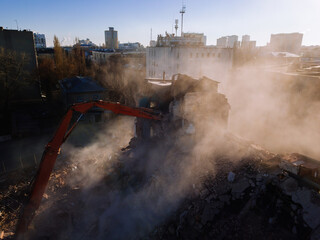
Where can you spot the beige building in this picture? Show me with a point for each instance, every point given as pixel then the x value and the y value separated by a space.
pixel 111 38
pixel 286 42
pixel 222 42
pixel 228 42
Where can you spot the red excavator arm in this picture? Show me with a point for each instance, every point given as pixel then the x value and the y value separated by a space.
pixel 52 150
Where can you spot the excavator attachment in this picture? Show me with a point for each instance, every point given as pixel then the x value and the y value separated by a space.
pixel 53 147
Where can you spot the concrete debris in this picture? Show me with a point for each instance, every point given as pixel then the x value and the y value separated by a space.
pixel 239 187
pixel 13 194
pixel 246 198
pixel 315 235
pixel 190 129
pixel 231 176
pixel 310 202
pixel 208 214
pixel 240 207
pixel 224 198
pixel 289 186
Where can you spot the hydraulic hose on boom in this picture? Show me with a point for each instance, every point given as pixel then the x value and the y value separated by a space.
pixel 53 147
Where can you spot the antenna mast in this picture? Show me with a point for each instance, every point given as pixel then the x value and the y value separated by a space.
pixel 182 11
pixel 176 26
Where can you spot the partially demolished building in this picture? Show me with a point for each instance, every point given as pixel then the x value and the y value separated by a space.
pixel 186 103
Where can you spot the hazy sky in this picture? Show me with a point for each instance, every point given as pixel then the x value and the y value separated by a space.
pixel 133 19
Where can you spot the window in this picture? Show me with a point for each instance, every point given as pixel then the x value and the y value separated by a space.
pixel 197 55
pixel 219 55
pixel 202 54
pixel 208 54
pixel 213 54
pixel 190 55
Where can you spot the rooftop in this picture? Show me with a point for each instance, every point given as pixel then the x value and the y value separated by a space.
pixel 80 85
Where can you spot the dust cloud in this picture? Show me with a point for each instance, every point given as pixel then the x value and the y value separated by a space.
pixel 129 193
pixel 274 110
pixel 115 194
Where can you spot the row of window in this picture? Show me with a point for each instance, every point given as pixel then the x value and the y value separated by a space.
pixel 40 41
pixel 153 53
pixel 99 56
pixel 203 55
pixel 153 63
pixel 151 73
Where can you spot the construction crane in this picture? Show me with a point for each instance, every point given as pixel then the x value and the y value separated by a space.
pixel 53 148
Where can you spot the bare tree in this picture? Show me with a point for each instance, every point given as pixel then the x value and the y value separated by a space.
pixel 60 59
pixel 48 76
pixel 120 79
pixel 78 62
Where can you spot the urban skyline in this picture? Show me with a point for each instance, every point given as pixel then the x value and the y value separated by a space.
pixel 134 19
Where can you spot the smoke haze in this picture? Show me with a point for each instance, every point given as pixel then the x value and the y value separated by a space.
pixel 121 195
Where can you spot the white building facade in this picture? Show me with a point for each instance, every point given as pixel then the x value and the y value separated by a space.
pixel 245 38
pixel 247 44
pixel 222 42
pixel 130 46
pixel 195 60
pixel 101 55
pixel 232 41
pixel 228 42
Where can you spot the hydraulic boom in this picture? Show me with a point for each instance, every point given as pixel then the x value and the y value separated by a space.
pixel 53 147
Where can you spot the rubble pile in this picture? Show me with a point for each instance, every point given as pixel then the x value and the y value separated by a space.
pixel 249 198
pixel 184 177
pixel 14 190
pixel 165 189
pixel 253 201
